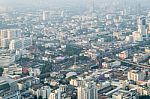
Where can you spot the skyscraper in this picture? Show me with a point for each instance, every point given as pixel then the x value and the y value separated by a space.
pixel 6 35
pixel 142 27
pixel 55 95
pixel 87 91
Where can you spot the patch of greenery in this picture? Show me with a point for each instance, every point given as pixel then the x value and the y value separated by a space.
pixel 144 97
pixel 72 50
pixel 1 71
pixel 47 67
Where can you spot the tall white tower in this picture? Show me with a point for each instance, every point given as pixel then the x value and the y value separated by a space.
pixel 43 16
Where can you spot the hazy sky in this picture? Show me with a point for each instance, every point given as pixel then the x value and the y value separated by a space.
pixel 38 2
pixel 19 3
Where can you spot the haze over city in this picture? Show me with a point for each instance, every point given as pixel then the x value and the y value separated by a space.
pixel 74 49
pixel 60 3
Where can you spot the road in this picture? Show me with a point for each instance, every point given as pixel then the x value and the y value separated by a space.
pixel 135 64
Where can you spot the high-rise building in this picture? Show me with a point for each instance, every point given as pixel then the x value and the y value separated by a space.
pixel 15 44
pixel 87 91
pixel 55 95
pixel 148 30
pixel 20 43
pixel 45 92
pixel 135 75
pixel 142 27
pixel 4 43
pixel 6 35
pixel 3 34
pixel 45 15
pixel 137 36
pixel 10 33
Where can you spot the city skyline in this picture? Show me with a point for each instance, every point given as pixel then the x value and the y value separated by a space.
pixel 74 49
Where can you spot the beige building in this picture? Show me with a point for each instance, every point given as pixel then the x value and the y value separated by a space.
pixel 9 34
pixel 147 50
pixel 76 82
pixel 117 96
pixel 136 75
pixel 142 91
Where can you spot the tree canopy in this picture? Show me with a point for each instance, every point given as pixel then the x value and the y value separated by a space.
pixel 1 71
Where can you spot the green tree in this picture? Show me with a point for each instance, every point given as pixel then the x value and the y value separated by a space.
pixel 72 50
pixel 40 97
pixel 144 97
pixel 35 96
pixel 1 71
pixel 47 67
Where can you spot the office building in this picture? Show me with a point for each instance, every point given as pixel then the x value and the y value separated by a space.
pixel 45 15
pixel 8 89
pixel 4 43
pixel 55 95
pixel 135 75
pixel 142 27
pixel 20 43
pixel 87 91
pixel 137 36
pixel 6 35
pixel 45 91
pixel 10 33
pixel 15 44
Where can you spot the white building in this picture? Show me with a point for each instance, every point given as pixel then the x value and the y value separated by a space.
pixel 137 36
pixel 87 91
pixel 45 91
pixel 142 26
pixel 55 95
